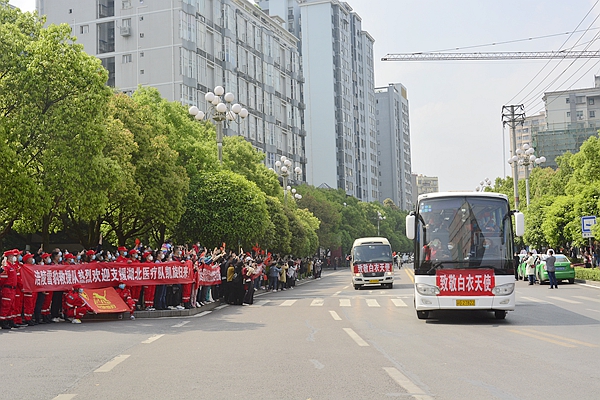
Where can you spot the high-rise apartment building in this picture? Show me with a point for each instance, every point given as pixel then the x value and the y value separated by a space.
pixel 424 184
pixel 393 136
pixel 572 116
pixel 337 63
pixel 185 48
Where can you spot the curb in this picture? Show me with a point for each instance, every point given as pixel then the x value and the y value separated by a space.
pixel 591 283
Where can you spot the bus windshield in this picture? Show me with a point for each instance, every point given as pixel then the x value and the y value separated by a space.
pixel 369 253
pixel 462 232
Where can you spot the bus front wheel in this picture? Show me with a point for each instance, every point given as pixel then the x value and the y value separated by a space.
pixel 422 314
pixel 500 314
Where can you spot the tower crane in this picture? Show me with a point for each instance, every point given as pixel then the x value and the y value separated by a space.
pixel 510 55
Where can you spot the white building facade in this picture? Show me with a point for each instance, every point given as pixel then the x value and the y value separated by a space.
pixel 393 135
pixel 337 64
pixel 185 48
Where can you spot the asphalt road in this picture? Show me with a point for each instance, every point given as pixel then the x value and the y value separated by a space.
pixel 321 340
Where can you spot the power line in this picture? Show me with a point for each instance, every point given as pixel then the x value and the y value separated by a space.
pixel 510 41
pixel 548 62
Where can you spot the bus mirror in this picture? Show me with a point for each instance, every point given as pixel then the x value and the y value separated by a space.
pixel 519 224
pixel 410 227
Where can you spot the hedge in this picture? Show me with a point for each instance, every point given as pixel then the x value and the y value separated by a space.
pixel 588 274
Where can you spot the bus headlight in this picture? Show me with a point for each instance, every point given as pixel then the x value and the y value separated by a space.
pixel 389 273
pixel 427 290
pixel 504 290
pixel 357 274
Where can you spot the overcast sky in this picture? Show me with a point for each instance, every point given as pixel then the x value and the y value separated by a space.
pixel 456 106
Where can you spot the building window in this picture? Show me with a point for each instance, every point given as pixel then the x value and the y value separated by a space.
pixel 83 29
pixel 109 64
pixel 591 101
pixel 568 114
pixel 106 8
pixel 141 54
pixel 580 114
pixel 126 58
pixel 106 37
pixel 141 72
pixel 141 35
pixel 580 100
pixel 567 100
pixel 592 114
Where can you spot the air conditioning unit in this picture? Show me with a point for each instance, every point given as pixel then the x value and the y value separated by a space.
pixel 125 30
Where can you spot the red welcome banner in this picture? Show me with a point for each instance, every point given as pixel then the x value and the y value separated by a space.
pixel 42 278
pixel 105 300
pixel 209 275
pixel 465 282
pixel 372 267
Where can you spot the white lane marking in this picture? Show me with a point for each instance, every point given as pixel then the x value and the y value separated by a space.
pixel 412 389
pixel 587 298
pixel 221 306
pixel 179 325
pixel 399 303
pixel 346 287
pixel 260 303
pixel 112 363
pixel 563 299
pixel 359 341
pixel 202 314
pixel 316 303
pixel 535 300
pixel 372 303
pixel 64 397
pixel 317 364
pixel 335 315
pixel 591 309
pixel 287 303
pixel 337 293
pixel 153 338
pixel 345 303
pixel 588 285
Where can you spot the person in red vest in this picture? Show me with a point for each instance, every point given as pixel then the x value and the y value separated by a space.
pixel 149 290
pixel 122 254
pixel 74 305
pixel 126 296
pixel 29 298
pixel 8 287
pixel 136 290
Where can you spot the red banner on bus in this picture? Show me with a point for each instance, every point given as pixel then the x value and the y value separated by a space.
pixel 465 282
pixel 42 278
pixel 372 267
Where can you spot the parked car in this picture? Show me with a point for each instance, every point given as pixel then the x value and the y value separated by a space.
pixel 564 269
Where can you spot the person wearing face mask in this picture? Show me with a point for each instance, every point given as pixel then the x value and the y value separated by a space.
pixel 57 297
pixel 44 299
pixel 74 305
pixel 89 256
pixel 149 290
pixel 160 294
pixel 8 287
pixel 125 294
pixel 29 298
pixel 122 254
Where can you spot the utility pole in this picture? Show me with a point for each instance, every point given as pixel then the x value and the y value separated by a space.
pixel 511 116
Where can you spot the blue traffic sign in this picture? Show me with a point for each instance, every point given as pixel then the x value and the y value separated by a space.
pixel 586 225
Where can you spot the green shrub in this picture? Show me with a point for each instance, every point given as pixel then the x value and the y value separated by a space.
pixel 588 274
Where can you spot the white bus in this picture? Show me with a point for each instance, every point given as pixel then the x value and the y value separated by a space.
pixel 463 246
pixel 372 262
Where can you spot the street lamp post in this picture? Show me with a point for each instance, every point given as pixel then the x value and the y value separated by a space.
pixel 283 168
pixel 220 112
pixel 525 156
pixel 486 183
pixel 379 218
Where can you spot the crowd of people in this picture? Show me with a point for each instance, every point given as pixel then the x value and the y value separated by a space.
pixel 240 274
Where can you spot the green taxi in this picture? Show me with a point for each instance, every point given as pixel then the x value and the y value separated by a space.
pixel 564 269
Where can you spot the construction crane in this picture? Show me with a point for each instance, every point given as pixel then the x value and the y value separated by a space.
pixel 511 55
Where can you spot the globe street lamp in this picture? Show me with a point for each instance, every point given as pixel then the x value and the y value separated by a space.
pixel 379 218
pixel 525 156
pixel 486 183
pixel 220 112
pixel 283 168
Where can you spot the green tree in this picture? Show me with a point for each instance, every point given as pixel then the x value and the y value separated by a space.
pixel 277 237
pixel 224 207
